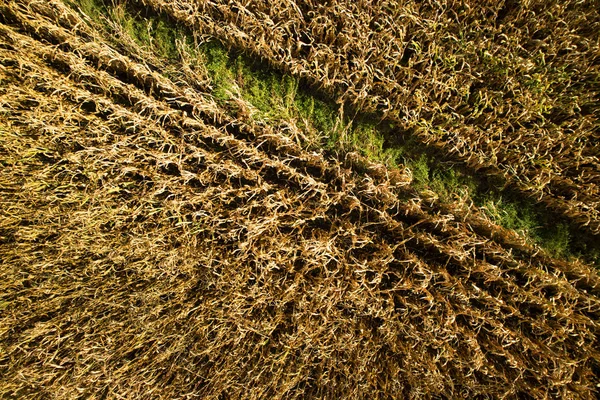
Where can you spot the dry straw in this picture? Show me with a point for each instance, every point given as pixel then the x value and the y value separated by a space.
pixel 155 244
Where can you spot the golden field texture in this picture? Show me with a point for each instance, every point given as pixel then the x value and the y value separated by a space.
pixel 156 244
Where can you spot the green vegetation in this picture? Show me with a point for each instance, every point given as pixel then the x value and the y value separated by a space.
pixel 95 9
pixel 154 32
pixel 277 98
